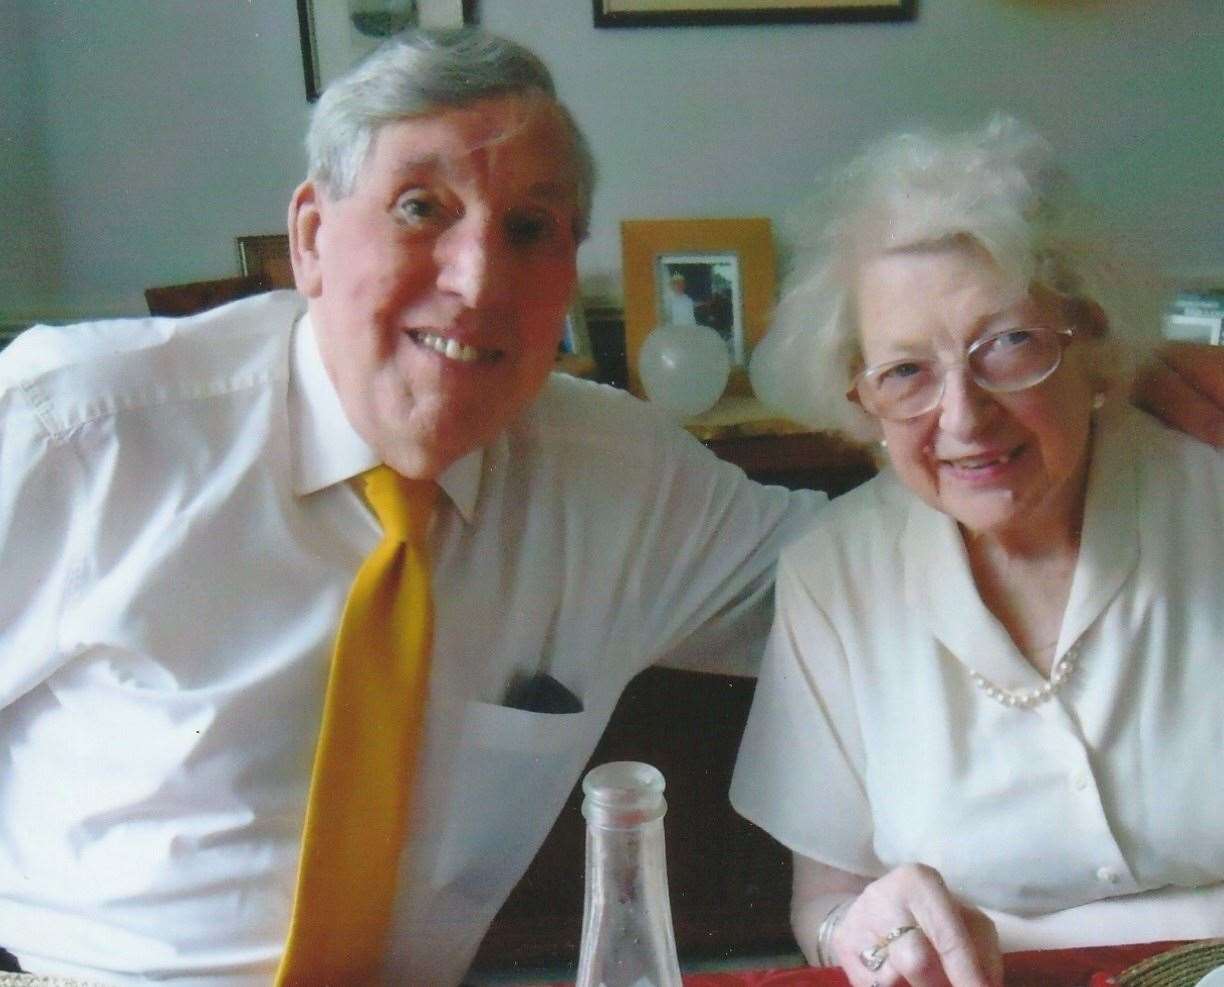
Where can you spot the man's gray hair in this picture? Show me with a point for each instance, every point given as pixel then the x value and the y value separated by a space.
pixel 420 73
pixel 998 188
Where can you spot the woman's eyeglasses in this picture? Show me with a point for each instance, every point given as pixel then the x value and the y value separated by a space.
pixel 1006 361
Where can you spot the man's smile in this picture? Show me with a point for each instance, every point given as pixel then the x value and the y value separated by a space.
pixel 451 348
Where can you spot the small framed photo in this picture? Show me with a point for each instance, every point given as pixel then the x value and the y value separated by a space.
pixel 704 289
pixel 666 13
pixel 266 255
pixel 576 340
pixel 715 273
pixel 336 34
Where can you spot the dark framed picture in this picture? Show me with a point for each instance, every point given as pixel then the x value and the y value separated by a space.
pixel 336 34
pixel 576 340
pixel 661 13
pixel 266 256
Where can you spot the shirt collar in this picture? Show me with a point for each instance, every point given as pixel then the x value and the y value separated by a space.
pixel 327 450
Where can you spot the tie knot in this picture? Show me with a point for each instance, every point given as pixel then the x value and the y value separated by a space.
pixel 403 506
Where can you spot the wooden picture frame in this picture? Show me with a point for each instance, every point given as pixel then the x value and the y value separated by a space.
pixel 739 251
pixel 336 34
pixel 266 256
pixel 682 13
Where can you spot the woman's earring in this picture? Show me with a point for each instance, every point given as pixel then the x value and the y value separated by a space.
pixel 1098 401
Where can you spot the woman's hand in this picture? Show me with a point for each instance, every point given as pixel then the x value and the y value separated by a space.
pixel 924 935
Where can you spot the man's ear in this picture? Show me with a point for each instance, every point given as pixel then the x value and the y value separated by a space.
pixel 305 218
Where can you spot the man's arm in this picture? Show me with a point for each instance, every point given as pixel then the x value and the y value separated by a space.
pixel 712 558
pixel 1184 387
pixel 39 507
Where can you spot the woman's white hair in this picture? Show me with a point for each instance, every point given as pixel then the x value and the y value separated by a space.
pixel 998 188
pixel 420 73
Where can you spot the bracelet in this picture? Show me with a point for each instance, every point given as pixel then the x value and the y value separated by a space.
pixel 824 935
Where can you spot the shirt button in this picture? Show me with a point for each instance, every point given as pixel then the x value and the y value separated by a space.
pixel 1107 875
pixel 1079 780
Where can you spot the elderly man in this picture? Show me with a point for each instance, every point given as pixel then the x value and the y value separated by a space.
pixel 269 710
pixel 185 504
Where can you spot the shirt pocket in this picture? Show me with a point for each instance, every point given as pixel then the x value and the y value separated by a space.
pixel 512 773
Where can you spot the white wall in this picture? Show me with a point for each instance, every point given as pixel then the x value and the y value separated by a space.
pixel 152 132
pixel 29 249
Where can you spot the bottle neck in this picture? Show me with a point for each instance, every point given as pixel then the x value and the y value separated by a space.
pixel 628 863
pixel 627 938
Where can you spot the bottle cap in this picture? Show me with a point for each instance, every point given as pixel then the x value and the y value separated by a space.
pixel 623 793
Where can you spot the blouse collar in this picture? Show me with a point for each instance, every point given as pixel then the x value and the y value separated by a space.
pixel 939 583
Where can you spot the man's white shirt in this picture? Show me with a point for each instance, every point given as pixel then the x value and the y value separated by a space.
pixel 178 532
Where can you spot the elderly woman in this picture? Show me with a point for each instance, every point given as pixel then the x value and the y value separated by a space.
pixel 1001 725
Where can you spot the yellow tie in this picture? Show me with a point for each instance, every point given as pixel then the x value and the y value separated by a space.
pixel 367 750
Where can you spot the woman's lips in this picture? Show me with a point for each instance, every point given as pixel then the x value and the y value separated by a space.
pixel 982 467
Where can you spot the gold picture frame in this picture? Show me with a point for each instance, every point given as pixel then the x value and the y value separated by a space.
pixel 730 261
pixel 684 13
pixel 266 256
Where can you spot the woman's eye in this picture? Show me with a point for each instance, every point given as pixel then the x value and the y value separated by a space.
pixel 901 371
pixel 1012 338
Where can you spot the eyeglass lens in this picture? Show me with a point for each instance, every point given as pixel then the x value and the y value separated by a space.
pixel 1004 361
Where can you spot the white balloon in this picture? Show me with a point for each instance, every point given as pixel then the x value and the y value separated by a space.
pixel 684 369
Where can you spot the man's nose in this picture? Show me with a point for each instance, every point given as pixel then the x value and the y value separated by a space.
pixel 966 407
pixel 471 261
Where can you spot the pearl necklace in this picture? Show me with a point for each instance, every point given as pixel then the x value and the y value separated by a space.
pixel 1028 698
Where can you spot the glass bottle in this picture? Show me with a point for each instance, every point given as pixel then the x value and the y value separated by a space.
pixel 627 937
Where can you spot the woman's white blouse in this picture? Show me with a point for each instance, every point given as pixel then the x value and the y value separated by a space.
pixel 869 746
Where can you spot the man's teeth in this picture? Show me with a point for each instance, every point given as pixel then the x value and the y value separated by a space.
pixel 452 349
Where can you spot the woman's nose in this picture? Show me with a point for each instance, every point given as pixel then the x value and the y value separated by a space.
pixel 966 407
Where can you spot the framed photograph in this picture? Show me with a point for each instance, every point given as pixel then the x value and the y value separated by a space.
pixel 658 13
pixel 336 34
pixel 266 256
pixel 715 273
pixel 577 338
pixel 704 289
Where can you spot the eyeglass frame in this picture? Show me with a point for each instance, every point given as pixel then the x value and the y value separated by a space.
pixel 1065 337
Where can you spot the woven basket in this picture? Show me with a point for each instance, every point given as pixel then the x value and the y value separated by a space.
pixel 1181 967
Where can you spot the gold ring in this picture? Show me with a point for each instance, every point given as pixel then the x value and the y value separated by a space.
pixel 897 933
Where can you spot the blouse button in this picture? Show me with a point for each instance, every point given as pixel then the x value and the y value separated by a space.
pixel 1107 875
pixel 1079 780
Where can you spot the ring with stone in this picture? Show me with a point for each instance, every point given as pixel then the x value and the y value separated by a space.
pixel 874 957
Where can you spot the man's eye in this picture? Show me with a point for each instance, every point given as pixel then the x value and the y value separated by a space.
pixel 417 208
pixel 529 228
pixel 901 371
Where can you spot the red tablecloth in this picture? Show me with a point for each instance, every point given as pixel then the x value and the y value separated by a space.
pixel 1092 966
